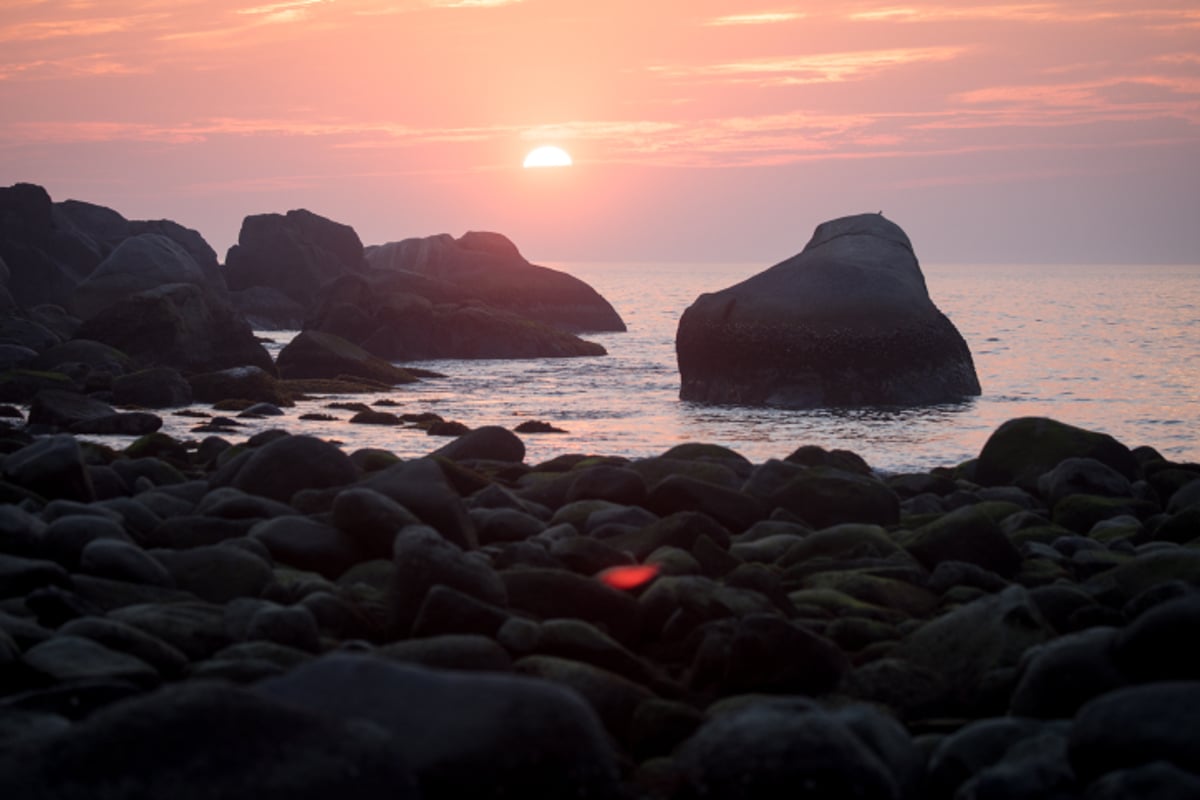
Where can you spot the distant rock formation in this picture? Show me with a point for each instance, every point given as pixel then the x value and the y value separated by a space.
pixel 403 325
pixel 848 321
pixel 488 268
pixel 50 247
pixel 294 254
pixel 75 274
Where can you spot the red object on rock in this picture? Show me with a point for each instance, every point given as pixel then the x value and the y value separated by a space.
pixel 628 577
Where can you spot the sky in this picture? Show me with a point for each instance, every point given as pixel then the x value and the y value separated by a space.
pixel 701 130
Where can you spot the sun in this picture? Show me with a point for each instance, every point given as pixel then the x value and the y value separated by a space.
pixel 547 156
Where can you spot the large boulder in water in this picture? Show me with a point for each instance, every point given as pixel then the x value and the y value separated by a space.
pixel 848 321
pixel 488 268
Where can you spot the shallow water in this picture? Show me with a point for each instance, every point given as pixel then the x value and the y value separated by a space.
pixel 1111 348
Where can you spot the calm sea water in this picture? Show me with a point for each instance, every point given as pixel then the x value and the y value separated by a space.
pixel 1111 348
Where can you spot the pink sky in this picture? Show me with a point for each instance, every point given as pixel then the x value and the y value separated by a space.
pixel 706 130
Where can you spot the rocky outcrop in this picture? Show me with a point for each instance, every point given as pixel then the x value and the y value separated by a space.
pixel 848 321
pixel 50 247
pixel 487 268
pixel 179 325
pixel 405 326
pixel 313 354
pixel 138 263
pixel 294 253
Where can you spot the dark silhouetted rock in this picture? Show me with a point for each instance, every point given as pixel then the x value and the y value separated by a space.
pixel 769 749
pixel 137 264
pixel 314 354
pixel 178 325
pixel 287 465
pixel 487 268
pixel 491 443
pixel 1022 449
pixel 204 740
pixel 81 414
pixel 530 737
pixel 157 387
pixel 1135 726
pixel 294 253
pixel 848 321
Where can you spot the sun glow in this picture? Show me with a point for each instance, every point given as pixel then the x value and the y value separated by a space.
pixel 548 156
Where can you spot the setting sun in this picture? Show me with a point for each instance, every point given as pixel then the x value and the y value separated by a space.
pixel 547 156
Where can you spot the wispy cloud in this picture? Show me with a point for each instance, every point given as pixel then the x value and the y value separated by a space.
pixel 38 30
pixel 816 68
pixel 1026 12
pixel 763 18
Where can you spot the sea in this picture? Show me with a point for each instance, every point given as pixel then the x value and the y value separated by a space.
pixel 1110 348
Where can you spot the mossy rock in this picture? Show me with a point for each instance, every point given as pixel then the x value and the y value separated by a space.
pixel 655 470
pixel 823 497
pixel 877 590
pixel 373 459
pixel 839 604
pixel 22 385
pixel 1080 512
pixel 707 452
pixel 243 383
pixel 158 445
pixel 847 541
pixel 1021 450
pixel 1043 534
pixel 316 354
pixel 967 534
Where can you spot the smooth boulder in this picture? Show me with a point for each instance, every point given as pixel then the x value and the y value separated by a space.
pixel 846 322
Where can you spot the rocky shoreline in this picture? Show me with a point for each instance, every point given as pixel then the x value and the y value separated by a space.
pixel 280 618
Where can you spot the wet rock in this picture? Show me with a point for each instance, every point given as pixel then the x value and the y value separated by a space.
pixel 548 594
pixel 1161 780
pixel 425 559
pixel 1021 450
pixel 371 519
pixel 614 698
pixel 1151 647
pixel 824 497
pixel 975 648
pixel 168 661
pixel 309 545
pixel 283 467
pixel 730 508
pixel 966 535
pixel 758 750
pixel 51 467
pixel 124 561
pixel 765 653
pixel 552 744
pixel 19 576
pixel 1060 676
pixel 421 487
pixel 159 387
pixel 316 354
pixel 179 325
pixel 194 741
pixel 491 443
pixel 1136 726
pixel 848 321
pixel 470 652
pixel 66 658
pixel 216 573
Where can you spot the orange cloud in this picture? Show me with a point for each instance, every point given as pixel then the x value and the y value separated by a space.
pixel 764 18
pixel 817 68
